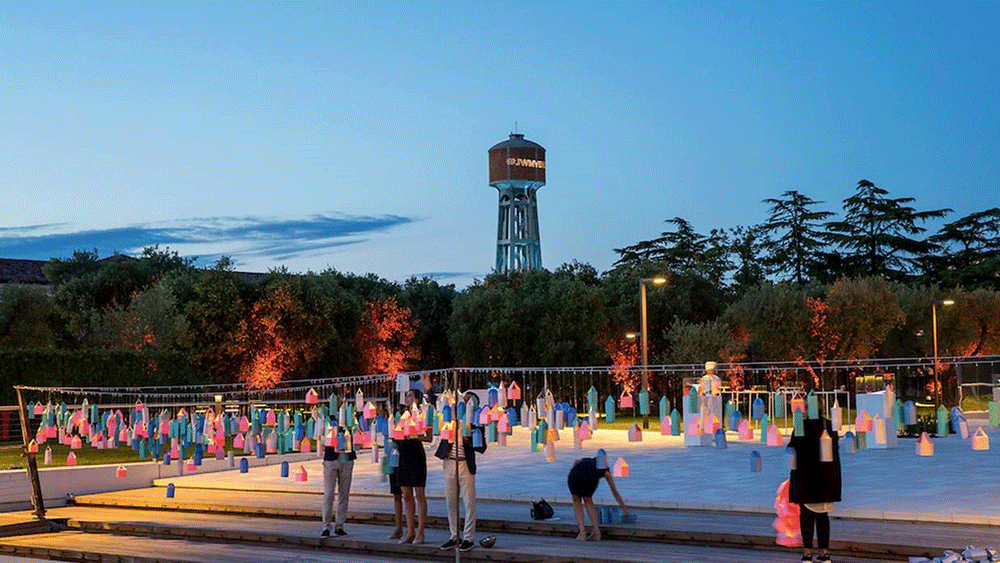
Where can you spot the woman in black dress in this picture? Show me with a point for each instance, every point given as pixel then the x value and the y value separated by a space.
pixel 412 473
pixel 583 479
pixel 815 484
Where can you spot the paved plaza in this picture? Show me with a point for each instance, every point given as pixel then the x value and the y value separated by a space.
pixel 955 485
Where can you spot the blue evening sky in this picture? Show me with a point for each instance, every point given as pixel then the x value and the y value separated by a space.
pixel 354 134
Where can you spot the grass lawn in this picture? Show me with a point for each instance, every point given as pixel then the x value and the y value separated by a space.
pixel 11 458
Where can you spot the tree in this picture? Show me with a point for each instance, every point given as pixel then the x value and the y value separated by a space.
pixel 431 306
pixel 386 337
pixel 773 319
pixel 682 250
pixel 26 314
pixel 151 321
pixel 971 256
pixel 796 235
pixel 746 247
pixel 861 314
pixel 877 232
pixel 214 311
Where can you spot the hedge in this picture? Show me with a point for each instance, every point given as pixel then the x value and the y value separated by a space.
pixel 91 368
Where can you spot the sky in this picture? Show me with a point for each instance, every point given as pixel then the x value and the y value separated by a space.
pixel 353 135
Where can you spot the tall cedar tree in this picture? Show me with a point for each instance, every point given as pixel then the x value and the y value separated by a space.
pixel 877 234
pixel 796 235
pixel 682 250
pixel 971 256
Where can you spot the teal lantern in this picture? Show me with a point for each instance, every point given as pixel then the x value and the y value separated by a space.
pixel 812 404
pixel 675 423
pixel 942 421
pixel 765 423
pixel 727 415
pixel 994 413
pixel 779 405
pixel 609 409
pixel 592 399
pixel 897 414
pixel 644 402
pixel 664 407
pixel 800 428
pixel 534 441
pixel 692 401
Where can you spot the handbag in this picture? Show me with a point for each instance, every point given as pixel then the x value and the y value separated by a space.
pixel 541 510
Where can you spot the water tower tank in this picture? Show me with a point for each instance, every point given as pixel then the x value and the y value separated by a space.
pixel 517 170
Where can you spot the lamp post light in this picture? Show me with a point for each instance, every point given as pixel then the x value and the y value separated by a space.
pixel 658 280
pixel 937 363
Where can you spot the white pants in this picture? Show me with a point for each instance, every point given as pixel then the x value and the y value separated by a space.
pixel 336 475
pixel 466 484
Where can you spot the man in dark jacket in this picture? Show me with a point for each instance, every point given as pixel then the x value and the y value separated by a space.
pixel 338 469
pixel 815 483
pixel 464 481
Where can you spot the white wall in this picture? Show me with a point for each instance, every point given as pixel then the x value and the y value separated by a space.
pixel 57 482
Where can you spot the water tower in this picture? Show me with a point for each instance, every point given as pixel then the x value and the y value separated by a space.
pixel 517 170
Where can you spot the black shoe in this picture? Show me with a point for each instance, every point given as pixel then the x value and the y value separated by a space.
pixel 450 544
pixel 466 545
pixel 325 534
pixel 340 532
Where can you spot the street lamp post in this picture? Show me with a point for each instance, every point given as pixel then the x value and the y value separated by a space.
pixel 658 280
pixel 937 362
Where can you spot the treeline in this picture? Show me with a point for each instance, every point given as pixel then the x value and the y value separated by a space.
pixel 803 285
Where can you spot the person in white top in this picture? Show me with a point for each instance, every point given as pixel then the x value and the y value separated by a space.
pixel 710 383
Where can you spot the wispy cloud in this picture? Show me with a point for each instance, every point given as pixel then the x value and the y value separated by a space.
pixel 275 239
pixel 445 275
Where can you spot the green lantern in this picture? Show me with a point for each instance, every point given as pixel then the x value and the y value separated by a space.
pixel 644 402
pixel 609 409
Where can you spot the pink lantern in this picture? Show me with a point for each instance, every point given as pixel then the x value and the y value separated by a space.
pixel 745 431
pixel 272 418
pixel 312 397
pixel 693 428
pixel 123 434
pixel 33 447
pixel 359 438
pixel 665 426
pixel 305 446
pixel 774 437
pixel 175 452
pixel 484 416
pixel 514 391
pixel 447 432
pixel 191 466
pixel 369 411
pixel 301 476
pixel 244 425
pixel 75 443
pixel 138 405
pixel 331 438
pixel 71 459
pixel 38 409
pixel 51 432
pixel 925 448
pixel 634 433
pixel 503 424
pixel 164 427
pixel 980 441
pixel 799 404
pixel 239 441
pixel 40 437
pixel 584 431
pixel 625 400
pixel 621 468
pixel 121 472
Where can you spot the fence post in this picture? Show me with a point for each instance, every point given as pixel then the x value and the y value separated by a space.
pixel 36 485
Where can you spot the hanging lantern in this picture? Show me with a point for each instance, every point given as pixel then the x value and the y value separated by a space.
pixel 757 409
pixel 312 397
pixel 825 447
pixel 664 408
pixel 812 405
pixel 836 416
pixel 644 402
pixel 799 425
pixel 779 405
pixel 514 391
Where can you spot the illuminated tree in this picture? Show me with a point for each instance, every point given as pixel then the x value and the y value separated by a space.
pixel 386 337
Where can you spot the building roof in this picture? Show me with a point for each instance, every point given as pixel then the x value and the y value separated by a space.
pixel 516 141
pixel 15 270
